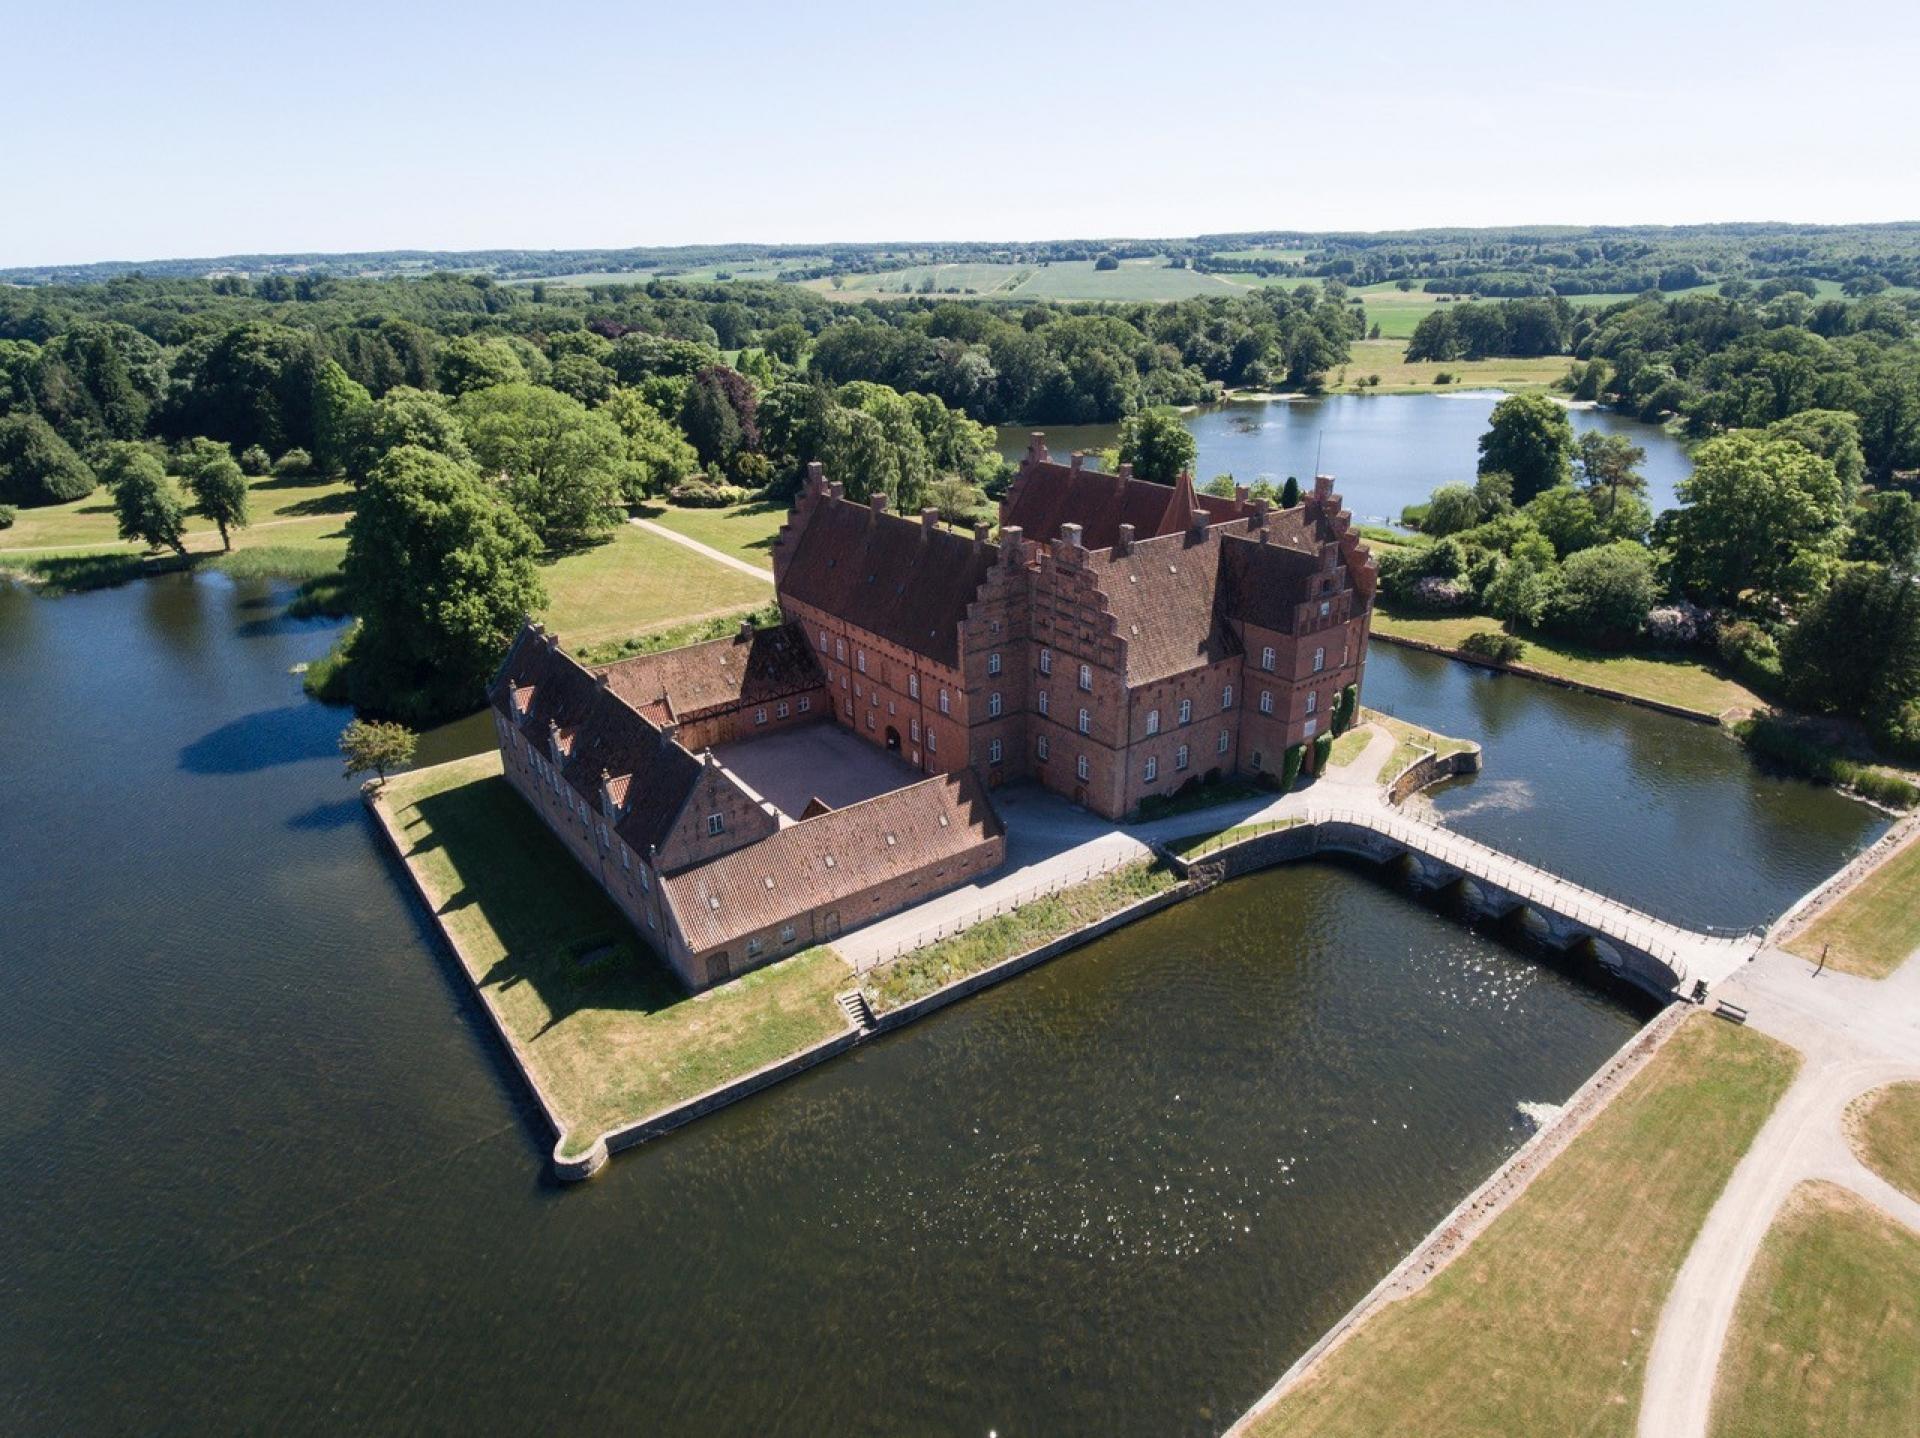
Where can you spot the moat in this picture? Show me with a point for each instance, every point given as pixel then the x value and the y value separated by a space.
pixel 266 1170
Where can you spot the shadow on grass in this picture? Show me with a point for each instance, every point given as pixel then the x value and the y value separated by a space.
pixel 562 934
pixel 58 574
pixel 338 502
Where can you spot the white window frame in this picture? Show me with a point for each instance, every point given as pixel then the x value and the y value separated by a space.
pixel 1313 702
pixel 993 705
pixel 913 686
pixel 806 703
pixel 860 660
pixel 1046 661
pixel 1186 711
pixel 1152 769
pixel 1040 746
pixel 1319 660
pixel 1182 757
pixel 1086 677
pixel 1226 697
pixel 1153 721
pixel 760 715
pixel 1225 742
pixel 1080 766
pixel 946 706
pixel 1266 701
pixel 716 824
pixel 1086 721
pixel 1043 701
pixel 993 751
pixel 993 662
pixel 1266 659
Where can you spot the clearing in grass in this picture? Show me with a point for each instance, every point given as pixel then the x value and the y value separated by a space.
pixel 606 1031
pixel 1543 1324
pixel 1875 926
pixel 1826 1340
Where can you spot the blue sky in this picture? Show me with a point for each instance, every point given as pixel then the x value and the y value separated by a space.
pixel 137 131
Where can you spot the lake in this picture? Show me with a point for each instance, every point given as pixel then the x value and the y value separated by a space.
pixel 265 1169
pixel 1387 451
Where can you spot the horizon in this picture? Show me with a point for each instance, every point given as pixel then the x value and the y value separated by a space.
pixel 383 130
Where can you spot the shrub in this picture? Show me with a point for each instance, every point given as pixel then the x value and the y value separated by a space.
pixel 1493 644
pixel 37 466
pixel 1899 729
pixel 1750 652
pixel 294 461
pixel 7 513
pixel 1444 377
pixel 1679 623
pixel 1344 707
pixel 1606 591
pixel 1787 746
pixel 1433 592
pixel 1290 766
pixel 255 460
pixel 699 492
pixel 1322 751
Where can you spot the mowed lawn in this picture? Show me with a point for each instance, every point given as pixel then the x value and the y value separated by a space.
pixel 1826 1340
pixel 633 582
pixel 1875 926
pixel 606 1029
pixel 294 512
pixel 746 531
pixel 1386 358
pixel 1663 678
pixel 1885 1128
pixel 1542 1326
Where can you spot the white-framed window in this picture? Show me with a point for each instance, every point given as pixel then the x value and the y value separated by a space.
pixel 1326 608
pixel 603 836
pixel 945 706
pixel 1046 661
pixel 870 721
pixel 1080 766
pixel 1040 746
pixel 860 660
pixel 1153 721
pixel 1313 701
pixel 1311 728
pixel 993 704
pixel 993 662
pixel 1086 676
pixel 1266 659
pixel 715 823
pixel 840 650
pixel 1043 701
pixel 805 704
pixel 780 710
pixel 1226 697
pixel 1180 757
pixel 753 947
pixel 913 730
pixel 993 751
pixel 933 741
pixel 1224 743
pixel 1151 771
pixel 913 686
pixel 1266 701
pixel 1186 711
pixel 760 716
pixel 1086 722
pixel 823 641
pixel 1319 660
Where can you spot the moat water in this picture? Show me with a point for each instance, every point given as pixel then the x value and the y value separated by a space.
pixel 1387 451
pixel 262 1168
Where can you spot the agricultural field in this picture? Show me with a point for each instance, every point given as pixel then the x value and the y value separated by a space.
pixel 1134 280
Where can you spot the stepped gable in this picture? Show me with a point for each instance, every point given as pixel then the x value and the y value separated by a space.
pixel 906 580
pixel 541 686
pixel 828 860
pixel 1163 596
pixel 754 666
pixel 1045 495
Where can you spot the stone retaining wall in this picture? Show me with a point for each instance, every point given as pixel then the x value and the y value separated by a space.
pixel 1527 671
pixel 1431 768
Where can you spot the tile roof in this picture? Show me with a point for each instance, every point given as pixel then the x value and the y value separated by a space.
pixel 751 667
pixel 1265 584
pixel 830 859
pixel 1045 495
pixel 1162 594
pixel 908 582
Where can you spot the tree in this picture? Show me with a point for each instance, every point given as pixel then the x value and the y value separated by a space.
pixel 218 486
pixel 1886 530
pixel 1451 509
pixel 1856 649
pixel 1760 516
pixel 411 417
pixel 1832 434
pixel 37 466
pixel 375 746
pixel 718 415
pixel 1157 445
pixel 1609 463
pixel 340 409
pixel 441 569
pixel 658 455
pixel 793 429
pixel 1290 493
pixel 1531 439
pixel 1221 486
pixel 145 501
pixel 1605 592
pixel 556 461
pixel 1521 591
pixel 471 362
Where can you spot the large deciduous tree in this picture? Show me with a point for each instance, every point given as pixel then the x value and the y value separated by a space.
pixel 558 462
pixel 441 569
pixel 658 455
pixel 37 466
pixel 145 502
pixel 1530 439
pixel 1761 517
pixel 218 487
pixel 1157 445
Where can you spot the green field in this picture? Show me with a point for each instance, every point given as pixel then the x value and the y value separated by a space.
pixel 1885 1128
pixel 1875 926
pixel 1826 1340
pixel 1150 279
pixel 1397 376
pixel 607 1031
pixel 634 582
pixel 1542 1326
pixel 297 511
pixel 746 531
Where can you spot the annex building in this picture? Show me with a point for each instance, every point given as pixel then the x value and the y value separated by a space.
pixel 1118 639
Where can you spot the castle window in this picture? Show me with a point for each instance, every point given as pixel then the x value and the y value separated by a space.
pixel 1046 661
pixel 603 836
pixel 626 858
pixel 913 730
pixel 945 707
pixel 913 686
pixel 1224 743
pixel 760 716
pixel 1312 727
pixel 753 947
pixel 993 663
pixel 786 933
pixel 805 704
pixel 1313 701
pixel 993 751
pixel 1040 747
pixel 1326 608
pixel 1043 701
pixel 1266 659
pixel 646 879
pixel 715 823
pixel 1186 711
pixel 1080 766
pixel 870 721
pixel 823 641
pixel 840 649
pixel 1152 769
pixel 1086 722
pixel 1226 697
pixel 780 710
pixel 1266 701
pixel 1153 721
pixel 933 742
pixel 860 660
pixel 993 704
pixel 1319 660
pixel 1180 757
pixel 1086 676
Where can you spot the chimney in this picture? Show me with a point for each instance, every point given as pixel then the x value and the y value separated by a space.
pixel 1323 486
pixel 980 532
pixel 600 680
pixel 1037 448
pixel 1079 458
pixel 1126 470
pixel 1010 546
pixel 1240 493
pixel 1261 508
pixel 835 489
pixel 816 477
pixel 746 629
pixel 1070 535
pixel 929 517
pixel 1124 541
pixel 877 503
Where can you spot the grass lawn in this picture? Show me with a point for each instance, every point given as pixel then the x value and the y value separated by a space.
pixel 1414 741
pixel 1666 678
pixel 746 531
pixel 1885 1127
pixel 1542 1326
pixel 633 582
pixel 606 1030
pixel 1826 1340
pixel 1384 358
pixel 296 511
pixel 1350 745
pixel 1874 927
pixel 918 974
pixel 1195 845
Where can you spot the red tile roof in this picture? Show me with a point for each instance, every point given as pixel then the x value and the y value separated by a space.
pixel 753 667
pixel 1045 495
pixel 1162 594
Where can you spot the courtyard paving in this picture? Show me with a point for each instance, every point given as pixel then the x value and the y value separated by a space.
pixel 794 766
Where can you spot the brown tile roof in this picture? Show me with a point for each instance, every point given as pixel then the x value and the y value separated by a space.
pixel 1045 495
pixel 752 668
pixel 831 859
pixel 1162 596
pixel 1265 584
pixel 905 581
